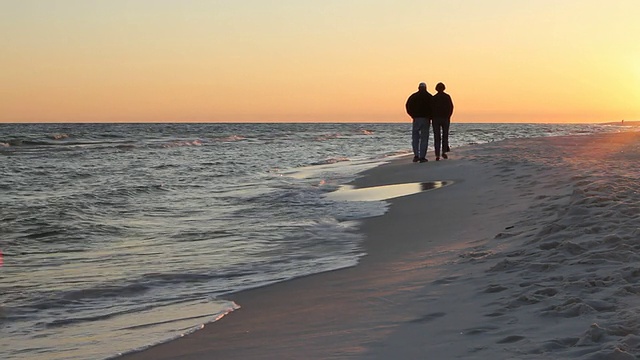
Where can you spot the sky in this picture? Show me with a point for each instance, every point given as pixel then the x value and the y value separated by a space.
pixel 317 61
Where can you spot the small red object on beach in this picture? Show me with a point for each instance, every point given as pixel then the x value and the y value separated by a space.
pixel 0 258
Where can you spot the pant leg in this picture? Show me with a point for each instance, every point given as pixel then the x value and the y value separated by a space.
pixel 437 128
pixel 424 138
pixel 415 136
pixel 445 135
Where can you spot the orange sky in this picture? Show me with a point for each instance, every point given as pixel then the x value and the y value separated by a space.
pixel 303 60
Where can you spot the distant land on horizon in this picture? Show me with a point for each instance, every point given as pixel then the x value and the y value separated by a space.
pixel 624 122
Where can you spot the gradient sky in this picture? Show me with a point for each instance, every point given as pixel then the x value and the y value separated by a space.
pixel 311 60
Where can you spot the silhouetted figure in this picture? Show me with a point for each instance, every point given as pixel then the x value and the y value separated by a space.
pixel 419 108
pixel 442 109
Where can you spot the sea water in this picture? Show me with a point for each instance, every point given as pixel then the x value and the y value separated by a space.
pixel 115 237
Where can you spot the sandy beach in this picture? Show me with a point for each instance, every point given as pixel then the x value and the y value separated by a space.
pixel 530 251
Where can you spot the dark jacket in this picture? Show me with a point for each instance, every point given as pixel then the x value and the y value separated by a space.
pixel 441 105
pixel 419 104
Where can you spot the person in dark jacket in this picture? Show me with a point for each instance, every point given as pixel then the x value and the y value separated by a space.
pixel 441 111
pixel 419 108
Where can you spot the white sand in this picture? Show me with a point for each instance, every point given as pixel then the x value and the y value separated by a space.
pixel 531 253
pixel 561 280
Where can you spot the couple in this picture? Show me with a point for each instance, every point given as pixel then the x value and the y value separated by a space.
pixel 423 109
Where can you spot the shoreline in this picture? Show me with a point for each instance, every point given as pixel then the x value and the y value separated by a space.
pixel 440 276
pixel 241 330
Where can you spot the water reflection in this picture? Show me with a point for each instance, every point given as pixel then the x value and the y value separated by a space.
pixel 376 193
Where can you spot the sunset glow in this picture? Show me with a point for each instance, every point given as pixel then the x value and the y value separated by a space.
pixel 330 61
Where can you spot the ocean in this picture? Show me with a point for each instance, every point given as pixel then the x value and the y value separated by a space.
pixel 115 237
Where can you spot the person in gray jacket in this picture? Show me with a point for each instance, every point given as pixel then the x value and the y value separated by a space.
pixel 441 111
pixel 418 106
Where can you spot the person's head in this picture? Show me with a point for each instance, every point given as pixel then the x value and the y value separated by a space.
pixel 422 86
pixel 440 87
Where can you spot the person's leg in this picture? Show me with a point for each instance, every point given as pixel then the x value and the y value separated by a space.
pixel 445 136
pixel 437 128
pixel 424 138
pixel 415 138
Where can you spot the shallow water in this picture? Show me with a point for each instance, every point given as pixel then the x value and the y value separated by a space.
pixel 385 192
